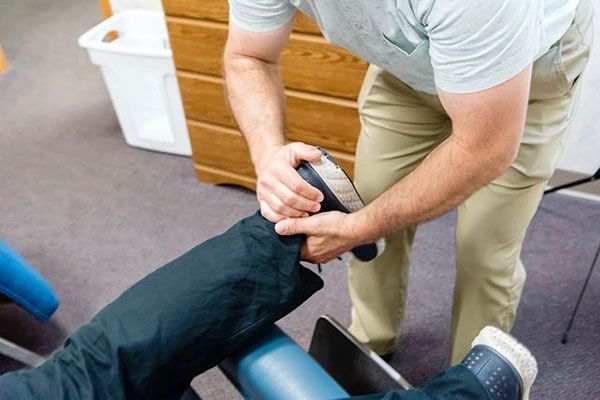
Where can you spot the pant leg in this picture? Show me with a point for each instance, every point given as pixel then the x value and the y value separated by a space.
pixel 399 128
pixel 456 383
pixel 492 223
pixel 177 322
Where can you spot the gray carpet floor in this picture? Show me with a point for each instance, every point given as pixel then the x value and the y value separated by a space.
pixel 95 215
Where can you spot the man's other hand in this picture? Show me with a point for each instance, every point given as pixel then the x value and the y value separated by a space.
pixel 328 234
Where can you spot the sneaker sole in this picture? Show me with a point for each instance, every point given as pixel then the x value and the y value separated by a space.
pixel 338 183
pixel 339 187
pixel 513 351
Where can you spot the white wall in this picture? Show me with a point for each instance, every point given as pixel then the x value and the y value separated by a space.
pixel 582 145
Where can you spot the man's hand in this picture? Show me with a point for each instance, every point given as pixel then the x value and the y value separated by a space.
pixel 329 234
pixel 280 190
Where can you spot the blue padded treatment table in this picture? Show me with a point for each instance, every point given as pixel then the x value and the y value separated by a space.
pixel 274 367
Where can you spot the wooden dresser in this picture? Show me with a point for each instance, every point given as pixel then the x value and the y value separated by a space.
pixel 322 83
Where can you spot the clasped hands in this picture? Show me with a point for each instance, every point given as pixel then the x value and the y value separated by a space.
pixel 288 200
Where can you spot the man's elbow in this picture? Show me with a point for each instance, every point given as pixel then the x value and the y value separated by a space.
pixel 228 60
pixel 235 63
pixel 493 157
pixel 502 158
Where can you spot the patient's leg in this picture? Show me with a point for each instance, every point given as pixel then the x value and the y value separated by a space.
pixel 498 367
pixel 200 308
pixel 177 322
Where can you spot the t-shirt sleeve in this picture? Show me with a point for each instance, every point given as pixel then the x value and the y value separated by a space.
pixel 477 44
pixel 260 15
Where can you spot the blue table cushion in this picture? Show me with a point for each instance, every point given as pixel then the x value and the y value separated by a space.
pixel 274 367
pixel 21 283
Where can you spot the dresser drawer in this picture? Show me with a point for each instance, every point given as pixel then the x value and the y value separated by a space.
pixel 221 148
pixel 211 10
pixel 224 149
pixel 322 83
pixel 308 63
pixel 218 11
pixel 319 120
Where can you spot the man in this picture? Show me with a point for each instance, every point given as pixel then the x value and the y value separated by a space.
pixel 465 104
pixel 205 306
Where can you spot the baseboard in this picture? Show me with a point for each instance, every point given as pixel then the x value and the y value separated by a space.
pixel 588 190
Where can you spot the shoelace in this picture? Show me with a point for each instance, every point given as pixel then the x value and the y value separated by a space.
pixel 320 268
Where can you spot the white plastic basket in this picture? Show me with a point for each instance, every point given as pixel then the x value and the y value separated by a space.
pixel 138 70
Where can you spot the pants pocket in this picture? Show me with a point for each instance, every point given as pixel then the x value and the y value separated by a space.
pixel 556 72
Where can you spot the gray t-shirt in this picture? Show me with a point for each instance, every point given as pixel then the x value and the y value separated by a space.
pixel 459 46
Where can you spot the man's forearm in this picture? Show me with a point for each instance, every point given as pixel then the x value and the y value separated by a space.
pixel 449 175
pixel 257 99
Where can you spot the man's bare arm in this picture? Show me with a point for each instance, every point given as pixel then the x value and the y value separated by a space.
pixel 487 128
pixel 254 86
pixel 256 97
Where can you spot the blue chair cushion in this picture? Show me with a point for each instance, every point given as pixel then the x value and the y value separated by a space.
pixel 21 283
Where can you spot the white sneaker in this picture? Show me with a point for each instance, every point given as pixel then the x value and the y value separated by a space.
pixel 505 367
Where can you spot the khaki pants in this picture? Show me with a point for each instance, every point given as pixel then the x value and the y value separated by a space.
pixel 400 126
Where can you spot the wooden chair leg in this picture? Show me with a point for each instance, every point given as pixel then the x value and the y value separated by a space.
pixel 106 11
pixel 105 8
pixel 3 62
